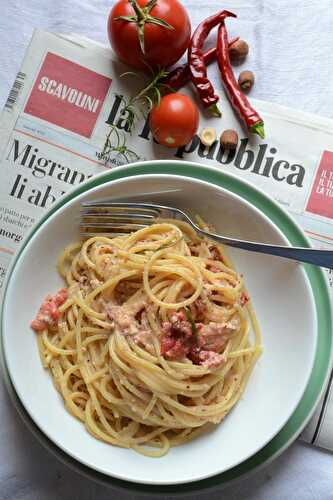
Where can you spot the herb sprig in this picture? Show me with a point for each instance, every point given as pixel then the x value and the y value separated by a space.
pixel 135 107
pixel 148 97
pixel 119 147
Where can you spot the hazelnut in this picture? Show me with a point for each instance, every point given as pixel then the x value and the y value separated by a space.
pixel 229 139
pixel 246 80
pixel 208 136
pixel 238 51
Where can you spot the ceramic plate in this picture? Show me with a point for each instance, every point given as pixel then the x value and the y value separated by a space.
pixel 288 316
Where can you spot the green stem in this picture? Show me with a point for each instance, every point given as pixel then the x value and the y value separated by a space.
pixel 139 12
pixel 258 128
pixel 214 110
pixel 150 5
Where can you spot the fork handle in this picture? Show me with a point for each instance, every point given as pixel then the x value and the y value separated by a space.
pixel 323 258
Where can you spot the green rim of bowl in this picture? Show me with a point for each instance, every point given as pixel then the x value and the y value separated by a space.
pixel 319 287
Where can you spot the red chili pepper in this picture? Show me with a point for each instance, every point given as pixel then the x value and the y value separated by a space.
pixel 238 100
pixel 181 75
pixel 197 64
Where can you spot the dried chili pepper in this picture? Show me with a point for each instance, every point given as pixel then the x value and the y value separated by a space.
pixel 181 75
pixel 197 64
pixel 238 100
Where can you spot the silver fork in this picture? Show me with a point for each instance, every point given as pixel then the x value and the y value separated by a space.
pixel 107 218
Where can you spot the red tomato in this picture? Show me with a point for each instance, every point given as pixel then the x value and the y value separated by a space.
pixel 162 46
pixel 175 121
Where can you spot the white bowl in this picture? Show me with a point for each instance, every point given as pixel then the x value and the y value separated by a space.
pixel 282 298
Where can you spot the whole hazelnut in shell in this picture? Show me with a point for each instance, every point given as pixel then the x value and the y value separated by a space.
pixel 229 139
pixel 238 51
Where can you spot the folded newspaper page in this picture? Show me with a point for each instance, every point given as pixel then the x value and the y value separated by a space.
pixel 63 122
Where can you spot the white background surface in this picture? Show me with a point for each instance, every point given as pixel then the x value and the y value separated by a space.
pixel 291 45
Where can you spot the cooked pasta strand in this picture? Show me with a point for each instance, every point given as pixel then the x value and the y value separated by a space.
pixel 152 340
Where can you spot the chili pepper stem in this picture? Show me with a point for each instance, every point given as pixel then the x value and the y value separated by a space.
pixel 258 128
pixel 214 110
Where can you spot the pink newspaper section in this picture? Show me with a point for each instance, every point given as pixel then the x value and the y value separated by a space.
pixel 321 198
pixel 68 95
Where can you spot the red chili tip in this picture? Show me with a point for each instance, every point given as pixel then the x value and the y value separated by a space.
pixel 230 14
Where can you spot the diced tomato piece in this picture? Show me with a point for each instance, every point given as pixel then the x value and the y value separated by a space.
pixel 61 296
pixel 244 298
pixel 48 313
pixel 194 355
pixel 211 359
pixel 167 343
pixel 215 253
pixel 177 339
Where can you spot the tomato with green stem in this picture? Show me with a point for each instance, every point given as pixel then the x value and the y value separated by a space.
pixel 174 121
pixel 149 33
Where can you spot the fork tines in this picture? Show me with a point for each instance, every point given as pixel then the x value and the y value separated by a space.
pixel 105 218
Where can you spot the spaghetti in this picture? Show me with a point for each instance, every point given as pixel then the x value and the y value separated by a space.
pixel 149 342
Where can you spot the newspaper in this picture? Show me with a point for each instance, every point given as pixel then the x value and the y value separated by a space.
pixel 64 121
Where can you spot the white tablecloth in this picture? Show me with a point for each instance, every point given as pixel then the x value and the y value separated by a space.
pixel 291 54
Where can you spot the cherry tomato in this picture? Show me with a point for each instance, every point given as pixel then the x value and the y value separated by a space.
pixel 175 121
pixel 165 34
